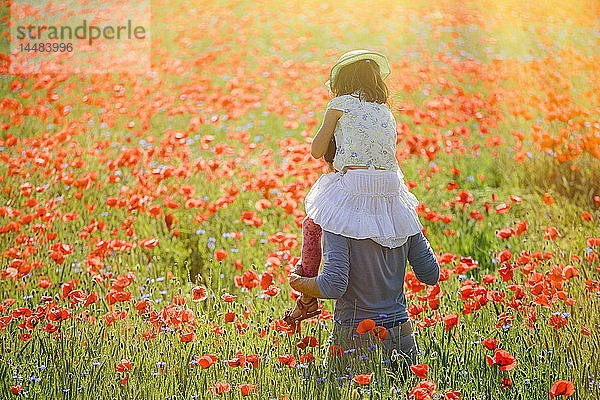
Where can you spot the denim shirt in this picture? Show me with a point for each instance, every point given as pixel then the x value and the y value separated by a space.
pixel 367 279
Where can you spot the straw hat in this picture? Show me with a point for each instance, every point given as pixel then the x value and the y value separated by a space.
pixel 356 55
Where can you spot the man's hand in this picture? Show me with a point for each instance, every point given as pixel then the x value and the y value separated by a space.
pixel 297 268
pixel 294 280
pixel 308 286
pixel 295 274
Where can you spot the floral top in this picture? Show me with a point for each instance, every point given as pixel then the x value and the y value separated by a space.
pixel 365 134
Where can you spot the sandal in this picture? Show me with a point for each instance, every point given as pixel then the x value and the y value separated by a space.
pixel 305 314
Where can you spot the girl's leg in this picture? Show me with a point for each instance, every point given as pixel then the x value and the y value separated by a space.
pixel 310 258
pixel 311 248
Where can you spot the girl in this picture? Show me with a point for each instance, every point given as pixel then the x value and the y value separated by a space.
pixel 366 196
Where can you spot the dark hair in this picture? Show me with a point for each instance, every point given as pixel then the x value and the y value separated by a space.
pixel 362 76
pixel 330 153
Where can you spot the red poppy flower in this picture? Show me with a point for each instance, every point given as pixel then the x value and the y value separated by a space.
pixel 420 370
pixel 247 389
pixel 490 344
pixel 548 199
pixel 445 274
pixel 228 297
pixel 489 279
pixel 220 254
pixel 585 331
pixel 504 255
pixel 364 326
pixel 562 388
pixel 207 360
pixel 464 197
pixel 521 227
pixel 551 233
pixel 250 279
pixel 503 358
pixel 149 243
pixel 220 388
pixel 515 199
pixel 307 358
pixel 452 395
pixel 50 328
pixel 230 316
pixel 253 359
pixel 199 293
pixel 44 282
pixel 272 291
pixel 238 264
pixel 424 390
pixel 262 204
pixel 287 359
pixel 92 298
pixel 16 389
pixel 266 280
pixel 557 321
pixel 587 217
pixel 453 185
pixel 450 320
pixel 67 287
pixel 124 365
pixel 25 337
pixel 505 233
pixel 364 379
pixel 238 361
pixel 308 341
pixel 336 350
pixel 502 208
pixel 380 333
pixel 187 337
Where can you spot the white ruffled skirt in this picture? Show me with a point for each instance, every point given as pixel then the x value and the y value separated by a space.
pixel 365 203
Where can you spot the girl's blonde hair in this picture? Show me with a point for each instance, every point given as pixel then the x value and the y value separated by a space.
pixel 362 76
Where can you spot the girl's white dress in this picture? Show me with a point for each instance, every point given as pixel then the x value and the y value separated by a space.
pixel 364 203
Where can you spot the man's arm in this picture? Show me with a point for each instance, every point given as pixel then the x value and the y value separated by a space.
pixel 308 286
pixel 422 260
pixel 333 280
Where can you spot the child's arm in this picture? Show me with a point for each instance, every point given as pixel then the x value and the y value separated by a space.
pixel 325 133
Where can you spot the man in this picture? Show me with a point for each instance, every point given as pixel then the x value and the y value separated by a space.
pixel 367 282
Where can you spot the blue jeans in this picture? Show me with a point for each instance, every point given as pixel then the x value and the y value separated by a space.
pixel 397 350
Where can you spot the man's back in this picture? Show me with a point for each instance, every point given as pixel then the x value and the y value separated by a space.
pixel 367 279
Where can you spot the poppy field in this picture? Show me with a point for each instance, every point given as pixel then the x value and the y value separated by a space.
pixel 149 221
